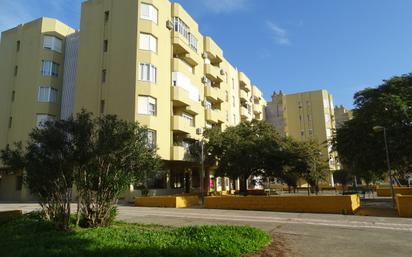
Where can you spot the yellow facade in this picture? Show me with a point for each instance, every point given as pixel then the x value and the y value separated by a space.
pixel 342 115
pixel 305 116
pixel 194 87
pixel 24 52
pixel 145 61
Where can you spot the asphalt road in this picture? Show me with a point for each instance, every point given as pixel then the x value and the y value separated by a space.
pixel 312 235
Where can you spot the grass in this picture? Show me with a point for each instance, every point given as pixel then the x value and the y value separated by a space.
pixel 30 236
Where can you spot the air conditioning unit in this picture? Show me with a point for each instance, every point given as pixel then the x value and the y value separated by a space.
pixel 205 56
pixel 205 80
pixel 169 25
pixel 222 72
pixel 199 131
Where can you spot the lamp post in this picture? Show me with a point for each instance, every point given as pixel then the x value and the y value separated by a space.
pixel 379 129
pixel 202 172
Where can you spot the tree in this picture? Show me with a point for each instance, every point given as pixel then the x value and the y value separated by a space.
pixel 48 162
pixel 360 148
pixel 119 156
pixel 101 156
pixel 307 162
pixel 250 148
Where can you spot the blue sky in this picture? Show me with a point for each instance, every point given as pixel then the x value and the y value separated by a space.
pixel 291 45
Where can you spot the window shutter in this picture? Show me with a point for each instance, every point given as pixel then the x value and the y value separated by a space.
pixel 142 102
pixel 57 44
pixel 153 14
pixel 144 41
pixel 48 42
pixel 153 73
pixel 153 43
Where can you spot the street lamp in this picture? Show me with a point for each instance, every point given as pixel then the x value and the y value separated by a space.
pixel 379 129
pixel 202 172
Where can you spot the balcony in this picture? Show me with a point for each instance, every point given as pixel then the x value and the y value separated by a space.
pixel 214 94
pixel 213 116
pixel 180 44
pixel 244 82
pixel 257 94
pixel 257 109
pixel 213 73
pixel 244 113
pixel 180 98
pixel 215 54
pixel 179 124
pixel 243 96
pixel 184 68
pixel 180 153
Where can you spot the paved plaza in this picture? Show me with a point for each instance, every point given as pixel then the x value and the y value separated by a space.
pixel 299 234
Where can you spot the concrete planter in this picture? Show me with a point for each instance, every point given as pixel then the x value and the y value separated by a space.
pixel 309 204
pixel 167 201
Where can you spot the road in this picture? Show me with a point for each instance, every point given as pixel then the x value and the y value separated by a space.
pixel 306 235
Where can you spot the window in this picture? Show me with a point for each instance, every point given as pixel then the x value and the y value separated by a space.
pixel 302 133
pixel 227 96
pixel 13 96
pixel 227 116
pixel 208 105
pixel 182 28
pixel 151 138
pixel 105 45
pixel 19 183
pixel 41 119
pixel 189 118
pixel 18 45
pixel 106 16
pixel 104 76
pixel 10 122
pixel 16 70
pixel 47 95
pixel 233 101
pixel 146 105
pixel 102 106
pixel 233 84
pixel 148 42
pixel 148 72
pixel 234 118
pixel 50 68
pixel 149 12
pixel 52 43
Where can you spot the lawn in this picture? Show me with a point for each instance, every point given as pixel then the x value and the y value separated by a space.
pixel 31 236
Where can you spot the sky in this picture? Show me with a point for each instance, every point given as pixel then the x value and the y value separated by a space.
pixel 342 46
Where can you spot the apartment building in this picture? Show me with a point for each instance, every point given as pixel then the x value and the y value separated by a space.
pixel 342 115
pixel 145 61
pixel 305 116
pixel 31 80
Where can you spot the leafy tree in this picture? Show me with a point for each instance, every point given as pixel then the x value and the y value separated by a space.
pixel 101 156
pixel 250 148
pixel 361 149
pixel 48 162
pixel 307 162
pixel 119 156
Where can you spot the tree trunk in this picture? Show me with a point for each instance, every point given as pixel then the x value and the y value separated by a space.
pixel 243 185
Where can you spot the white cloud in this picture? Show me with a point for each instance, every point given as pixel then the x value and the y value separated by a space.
pixel 279 34
pixel 225 6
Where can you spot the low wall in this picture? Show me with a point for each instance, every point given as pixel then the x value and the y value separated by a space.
pixel 167 201
pixel 404 204
pixel 310 204
pixel 398 190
